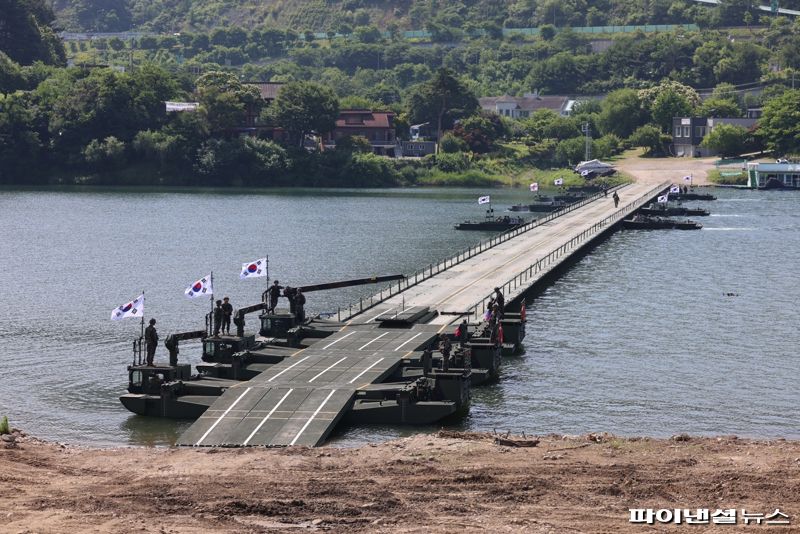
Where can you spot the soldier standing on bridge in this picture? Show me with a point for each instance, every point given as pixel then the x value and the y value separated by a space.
pixel 444 347
pixel 227 311
pixel 500 300
pixel 427 362
pixel 151 341
pixel 616 199
pixel 299 303
pixel 274 292
pixel 462 333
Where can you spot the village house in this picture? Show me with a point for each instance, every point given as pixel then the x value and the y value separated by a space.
pixel 688 133
pixel 522 107
pixel 376 126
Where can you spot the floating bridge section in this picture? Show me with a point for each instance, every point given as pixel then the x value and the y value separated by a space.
pixel 461 286
pixel 300 400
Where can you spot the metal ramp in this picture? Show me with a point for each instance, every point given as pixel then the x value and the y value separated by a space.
pixel 300 400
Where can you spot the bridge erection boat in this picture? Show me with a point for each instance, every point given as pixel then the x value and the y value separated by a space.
pixel 492 224
pixel 644 222
pixel 667 210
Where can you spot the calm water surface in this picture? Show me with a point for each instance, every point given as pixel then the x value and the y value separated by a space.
pixel 637 339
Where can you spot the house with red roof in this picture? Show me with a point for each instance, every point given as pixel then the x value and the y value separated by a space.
pixel 376 126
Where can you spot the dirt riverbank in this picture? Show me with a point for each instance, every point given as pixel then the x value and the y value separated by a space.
pixel 444 483
pixel 657 170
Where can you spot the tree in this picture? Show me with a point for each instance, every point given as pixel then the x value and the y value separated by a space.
pixel 451 144
pixel 26 35
pixel 727 139
pixel 480 132
pixel 621 113
pixel 669 104
pixel 304 107
pixel 648 96
pixel 10 74
pixel 650 137
pixel 367 34
pixel 779 124
pixel 354 144
pixel 719 107
pixel 20 146
pixel 547 32
pixel 105 154
pixel 570 151
pixel 440 100
pixel 225 99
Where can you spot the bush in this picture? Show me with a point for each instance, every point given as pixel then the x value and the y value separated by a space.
pixel 471 178
pixel 353 144
pixel 457 162
pixel 451 144
pixel 369 170
pixel 105 154
pixel 4 428
pixel 158 146
pixel 570 151
pixel 606 146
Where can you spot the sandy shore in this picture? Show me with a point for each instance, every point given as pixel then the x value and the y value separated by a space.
pixel 657 170
pixel 445 483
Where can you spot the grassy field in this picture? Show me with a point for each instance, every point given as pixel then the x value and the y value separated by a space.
pixel 739 178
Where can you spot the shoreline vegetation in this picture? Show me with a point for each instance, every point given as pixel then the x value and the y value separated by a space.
pixel 585 483
pixel 141 176
pixel 103 118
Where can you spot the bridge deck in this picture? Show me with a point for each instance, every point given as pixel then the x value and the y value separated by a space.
pixel 300 400
pixel 455 290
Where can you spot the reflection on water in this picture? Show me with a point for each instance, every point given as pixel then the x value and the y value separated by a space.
pixel 637 338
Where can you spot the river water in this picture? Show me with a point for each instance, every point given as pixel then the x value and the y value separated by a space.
pixel 639 338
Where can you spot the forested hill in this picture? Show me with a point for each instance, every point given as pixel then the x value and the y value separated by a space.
pixel 344 16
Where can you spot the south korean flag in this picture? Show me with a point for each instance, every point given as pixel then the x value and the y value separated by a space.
pixel 201 288
pixel 134 308
pixel 663 199
pixel 254 269
pixel 675 189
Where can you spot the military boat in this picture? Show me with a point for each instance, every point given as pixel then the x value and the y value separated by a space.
pixel 692 196
pixel 666 210
pixel 492 224
pixel 644 222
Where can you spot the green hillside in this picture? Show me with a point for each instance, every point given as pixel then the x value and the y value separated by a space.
pixel 345 15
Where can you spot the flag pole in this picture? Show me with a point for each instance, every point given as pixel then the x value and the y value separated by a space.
pixel 211 281
pixel 267 268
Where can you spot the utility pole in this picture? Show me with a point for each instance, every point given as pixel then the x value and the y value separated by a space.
pixel 587 129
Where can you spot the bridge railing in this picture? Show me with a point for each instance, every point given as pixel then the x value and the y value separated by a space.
pixel 345 314
pixel 519 283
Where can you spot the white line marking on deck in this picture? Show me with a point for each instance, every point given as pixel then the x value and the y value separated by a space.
pixel 312 417
pixel 376 339
pixel 365 370
pixel 199 441
pixel 295 363
pixel 272 411
pixel 407 341
pixel 338 340
pixel 328 369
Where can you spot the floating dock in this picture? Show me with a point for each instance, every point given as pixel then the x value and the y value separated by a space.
pixel 300 400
